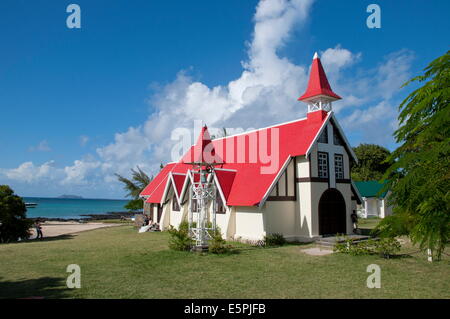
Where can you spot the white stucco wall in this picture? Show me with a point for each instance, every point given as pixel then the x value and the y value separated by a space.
pixel 346 192
pixel 280 217
pixel 371 206
pixel 249 223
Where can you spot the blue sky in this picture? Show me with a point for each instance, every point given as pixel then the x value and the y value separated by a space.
pixel 78 105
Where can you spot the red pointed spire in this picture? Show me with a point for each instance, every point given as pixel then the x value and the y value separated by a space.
pixel 203 151
pixel 318 83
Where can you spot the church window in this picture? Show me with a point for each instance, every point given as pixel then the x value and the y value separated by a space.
pixel 220 207
pixel 175 205
pixel 323 164
pixel 324 136
pixel 337 137
pixel 194 206
pixel 339 166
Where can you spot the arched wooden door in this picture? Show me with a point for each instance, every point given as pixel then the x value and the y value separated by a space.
pixel 332 217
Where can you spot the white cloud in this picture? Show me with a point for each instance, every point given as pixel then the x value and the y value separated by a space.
pixel 371 114
pixel 81 172
pixel 41 147
pixel 334 59
pixel 394 72
pixel 84 140
pixel 28 172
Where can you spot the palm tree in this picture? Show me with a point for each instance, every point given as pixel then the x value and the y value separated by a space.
pixel 134 186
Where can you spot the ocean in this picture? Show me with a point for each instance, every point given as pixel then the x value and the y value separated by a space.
pixel 72 208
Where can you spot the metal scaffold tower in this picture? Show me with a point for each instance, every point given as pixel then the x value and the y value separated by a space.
pixel 202 209
pixel 202 219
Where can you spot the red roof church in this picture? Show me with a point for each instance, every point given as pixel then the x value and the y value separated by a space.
pixel 291 178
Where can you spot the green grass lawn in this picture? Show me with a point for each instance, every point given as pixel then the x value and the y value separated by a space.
pixel 368 223
pixel 118 262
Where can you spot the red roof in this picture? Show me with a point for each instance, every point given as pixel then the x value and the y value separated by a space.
pixel 318 82
pixel 248 178
pixel 204 151
pixel 179 182
pixel 225 179
pixel 155 190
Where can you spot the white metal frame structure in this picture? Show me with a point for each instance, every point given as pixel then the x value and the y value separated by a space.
pixel 204 192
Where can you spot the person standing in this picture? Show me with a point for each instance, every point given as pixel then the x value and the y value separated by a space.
pixel 354 218
pixel 38 227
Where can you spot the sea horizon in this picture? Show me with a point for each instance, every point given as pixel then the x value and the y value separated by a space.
pixel 72 208
pixel 49 197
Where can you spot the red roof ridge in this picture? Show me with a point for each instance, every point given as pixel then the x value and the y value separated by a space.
pixel 149 195
pixel 258 129
pixel 225 169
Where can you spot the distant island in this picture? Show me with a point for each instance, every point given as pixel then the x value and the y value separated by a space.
pixel 70 197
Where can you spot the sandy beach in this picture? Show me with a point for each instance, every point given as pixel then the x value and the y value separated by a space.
pixel 57 228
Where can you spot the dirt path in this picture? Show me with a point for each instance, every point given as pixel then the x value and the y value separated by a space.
pixel 53 229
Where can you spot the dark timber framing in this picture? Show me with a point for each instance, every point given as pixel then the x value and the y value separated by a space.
pixel 285 197
pixel 312 179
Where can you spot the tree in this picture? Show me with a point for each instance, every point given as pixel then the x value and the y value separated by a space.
pixel 13 221
pixel 420 176
pixel 134 186
pixel 372 162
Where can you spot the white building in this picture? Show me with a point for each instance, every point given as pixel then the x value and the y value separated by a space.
pixel 374 200
pixel 302 190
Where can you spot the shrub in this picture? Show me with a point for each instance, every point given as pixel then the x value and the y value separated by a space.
pixel 179 238
pixel 384 247
pixel 354 249
pixel 274 240
pixel 218 245
pixel 184 226
pixel 13 221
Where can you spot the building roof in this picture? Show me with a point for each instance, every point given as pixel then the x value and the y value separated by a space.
pixel 245 178
pixel 318 83
pixel 371 189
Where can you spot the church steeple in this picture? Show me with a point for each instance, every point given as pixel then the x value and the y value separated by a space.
pixel 319 94
pixel 203 152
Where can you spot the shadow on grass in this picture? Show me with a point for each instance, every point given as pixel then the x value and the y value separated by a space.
pixel 365 231
pixel 60 237
pixel 45 239
pixel 399 256
pixel 288 244
pixel 44 287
